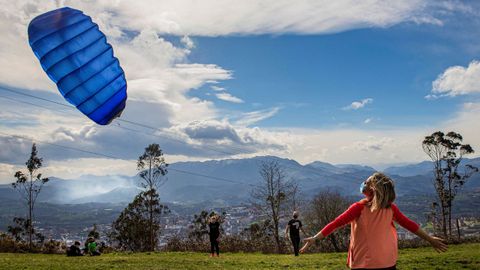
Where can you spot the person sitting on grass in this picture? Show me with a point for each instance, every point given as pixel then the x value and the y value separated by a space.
pixel 92 247
pixel 74 250
pixel 374 240
pixel 214 232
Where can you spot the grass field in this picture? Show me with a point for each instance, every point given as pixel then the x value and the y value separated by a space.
pixel 466 256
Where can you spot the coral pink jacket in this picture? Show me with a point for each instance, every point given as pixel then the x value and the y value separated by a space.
pixel 373 239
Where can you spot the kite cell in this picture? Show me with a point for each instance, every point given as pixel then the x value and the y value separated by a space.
pixel 76 56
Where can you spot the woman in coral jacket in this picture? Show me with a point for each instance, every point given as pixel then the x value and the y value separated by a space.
pixel 373 240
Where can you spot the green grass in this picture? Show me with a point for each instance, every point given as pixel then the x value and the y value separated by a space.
pixel 466 256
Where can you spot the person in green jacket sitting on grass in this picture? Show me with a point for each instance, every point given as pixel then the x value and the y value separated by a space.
pixel 92 247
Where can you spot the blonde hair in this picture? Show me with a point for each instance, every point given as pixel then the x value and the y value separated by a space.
pixel 383 190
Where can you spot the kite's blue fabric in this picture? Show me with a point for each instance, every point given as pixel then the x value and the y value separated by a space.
pixel 76 56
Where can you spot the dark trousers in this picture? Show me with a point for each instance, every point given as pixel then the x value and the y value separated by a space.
pixel 214 246
pixel 296 243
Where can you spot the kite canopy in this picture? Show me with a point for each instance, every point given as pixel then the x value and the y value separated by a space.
pixel 76 56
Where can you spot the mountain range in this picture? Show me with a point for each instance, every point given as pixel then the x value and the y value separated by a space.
pixel 230 182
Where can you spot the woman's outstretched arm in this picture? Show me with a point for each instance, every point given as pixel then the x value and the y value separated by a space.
pixel 346 217
pixel 436 242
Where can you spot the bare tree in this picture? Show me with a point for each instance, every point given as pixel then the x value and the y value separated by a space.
pixel 447 151
pixel 29 186
pixel 153 168
pixel 273 195
pixel 323 209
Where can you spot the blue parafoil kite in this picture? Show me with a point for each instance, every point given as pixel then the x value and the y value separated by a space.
pixel 76 56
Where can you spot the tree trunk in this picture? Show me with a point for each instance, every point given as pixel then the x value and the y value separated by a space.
pixel 443 202
pixel 449 200
pixel 434 220
pixel 334 242
pixel 275 225
pixel 450 221
pixel 444 220
pixel 30 213
pixel 277 236
pixel 458 229
pixel 150 207
pixel 152 244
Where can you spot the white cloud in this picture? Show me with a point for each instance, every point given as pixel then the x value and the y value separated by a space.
pixel 161 78
pixel 83 166
pixel 229 17
pixel 7 172
pixel 228 97
pixel 217 88
pixel 214 133
pixel 371 146
pixel 250 118
pixel 457 80
pixel 375 146
pixel 466 123
pixel 157 71
pixel 372 143
pixel 367 121
pixel 188 42
pixel 358 104
pixel 212 130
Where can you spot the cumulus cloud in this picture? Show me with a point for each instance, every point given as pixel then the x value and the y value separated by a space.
pixel 213 18
pixel 157 71
pixel 14 150
pixel 161 79
pixel 145 20
pixel 222 133
pixel 375 146
pixel 212 130
pixel 457 80
pixel 358 104
pixel 188 42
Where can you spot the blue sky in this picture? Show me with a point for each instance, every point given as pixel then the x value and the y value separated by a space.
pixel 337 81
pixel 313 77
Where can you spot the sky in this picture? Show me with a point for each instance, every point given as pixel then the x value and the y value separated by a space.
pixel 357 82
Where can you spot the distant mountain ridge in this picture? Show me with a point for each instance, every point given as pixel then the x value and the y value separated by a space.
pixel 185 188
pixel 424 167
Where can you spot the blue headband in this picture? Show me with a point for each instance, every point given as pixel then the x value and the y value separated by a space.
pixel 363 187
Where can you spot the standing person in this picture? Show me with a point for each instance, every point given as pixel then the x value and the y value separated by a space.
pixel 214 232
pixel 293 227
pixel 373 240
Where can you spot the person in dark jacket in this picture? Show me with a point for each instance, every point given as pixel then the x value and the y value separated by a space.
pixel 293 230
pixel 74 250
pixel 214 233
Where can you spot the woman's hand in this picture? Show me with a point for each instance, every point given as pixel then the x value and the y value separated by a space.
pixel 438 244
pixel 308 241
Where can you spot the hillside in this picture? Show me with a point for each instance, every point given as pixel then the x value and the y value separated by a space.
pixel 466 256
